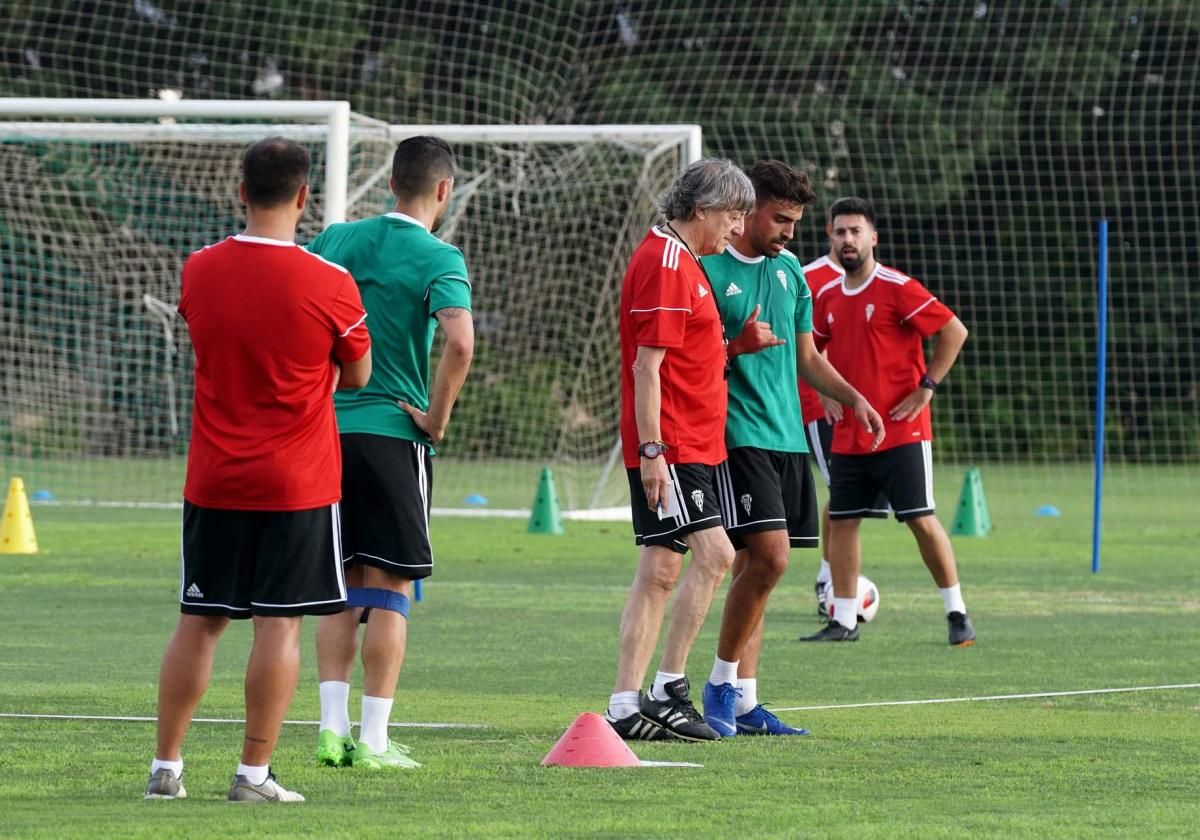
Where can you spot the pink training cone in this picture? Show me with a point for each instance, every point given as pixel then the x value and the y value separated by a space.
pixel 590 742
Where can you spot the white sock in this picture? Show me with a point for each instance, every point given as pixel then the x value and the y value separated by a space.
pixel 335 706
pixel 622 704
pixel 825 575
pixel 661 678
pixel 845 612
pixel 723 672
pixel 254 775
pixel 374 729
pixel 952 599
pixel 749 698
pixel 176 767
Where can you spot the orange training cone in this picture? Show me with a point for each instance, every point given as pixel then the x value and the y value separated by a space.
pixel 590 742
pixel 16 529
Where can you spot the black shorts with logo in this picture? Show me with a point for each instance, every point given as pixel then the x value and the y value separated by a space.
pixel 764 490
pixel 242 563
pixel 694 488
pixel 387 483
pixel 902 477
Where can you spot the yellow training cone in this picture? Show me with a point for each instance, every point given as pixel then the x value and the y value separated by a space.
pixel 16 531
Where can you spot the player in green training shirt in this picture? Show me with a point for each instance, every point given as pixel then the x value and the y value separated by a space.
pixel 768 501
pixel 411 282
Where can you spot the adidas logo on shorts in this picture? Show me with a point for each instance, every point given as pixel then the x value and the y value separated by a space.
pixel 193 591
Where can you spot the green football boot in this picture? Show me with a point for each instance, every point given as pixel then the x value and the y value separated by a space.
pixel 395 757
pixel 334 750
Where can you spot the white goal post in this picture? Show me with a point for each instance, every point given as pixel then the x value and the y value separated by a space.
pixel 101 200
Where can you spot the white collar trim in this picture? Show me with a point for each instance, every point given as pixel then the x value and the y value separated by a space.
pixel 863 287
pixel 404 217
pixel 262 240
pixel 737 255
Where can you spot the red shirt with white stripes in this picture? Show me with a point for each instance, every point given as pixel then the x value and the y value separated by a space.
pixel 267 319
pixel 666 302
pixel 817 273
pixel 873 336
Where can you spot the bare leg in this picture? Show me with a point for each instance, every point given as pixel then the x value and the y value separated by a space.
pixel 757 569
pixel 183 678
pixel 845 556
pixel 271 678
pixel 337 637
pixel 712 555
pixel 641 620
pixel 935 548
pixel 386 637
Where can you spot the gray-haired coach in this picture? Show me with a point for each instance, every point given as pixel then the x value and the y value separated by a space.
pixel 672 431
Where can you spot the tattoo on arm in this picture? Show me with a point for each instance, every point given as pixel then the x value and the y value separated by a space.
pixel 451 312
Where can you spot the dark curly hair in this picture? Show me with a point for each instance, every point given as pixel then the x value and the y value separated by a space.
pixel 774 180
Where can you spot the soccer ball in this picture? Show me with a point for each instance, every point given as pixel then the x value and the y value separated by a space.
pixel 868 599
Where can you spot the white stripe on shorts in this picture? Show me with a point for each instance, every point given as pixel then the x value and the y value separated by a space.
pixel 819 455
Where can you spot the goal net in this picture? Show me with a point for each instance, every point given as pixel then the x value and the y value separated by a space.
pixel 97 217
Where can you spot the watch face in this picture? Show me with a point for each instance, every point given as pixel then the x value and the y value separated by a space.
pixel 651 450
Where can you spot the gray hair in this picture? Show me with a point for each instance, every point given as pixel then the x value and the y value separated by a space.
pixel 708 184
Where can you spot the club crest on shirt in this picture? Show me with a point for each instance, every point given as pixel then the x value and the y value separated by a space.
pixel 698 500
pixel 747 500
pixel 870 310
pixel 782 279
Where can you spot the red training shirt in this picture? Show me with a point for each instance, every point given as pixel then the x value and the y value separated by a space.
pixel 267 319
pixel 817 273
pixel 872 336
pixel 666 302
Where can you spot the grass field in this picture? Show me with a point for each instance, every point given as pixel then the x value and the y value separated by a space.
pixel 517 633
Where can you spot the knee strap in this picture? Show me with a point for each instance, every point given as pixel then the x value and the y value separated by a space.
pixel 381 599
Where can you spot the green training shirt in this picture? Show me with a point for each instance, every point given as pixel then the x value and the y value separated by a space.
pixel 764 404
pixel 405 274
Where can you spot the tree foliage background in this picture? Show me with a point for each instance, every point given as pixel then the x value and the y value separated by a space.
pixel 992 136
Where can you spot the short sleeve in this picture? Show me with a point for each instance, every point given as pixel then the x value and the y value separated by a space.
pixel 450 286
pixel 351 339
pixel 185 287
pixel 820 328
pixel 318 244
pixel 659 306
pixel 919 309
pixel 804 307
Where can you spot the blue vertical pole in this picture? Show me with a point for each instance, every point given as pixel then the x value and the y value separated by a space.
pixel 418 591
pixel 1101 388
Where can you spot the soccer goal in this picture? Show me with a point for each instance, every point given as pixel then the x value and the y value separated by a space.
pixel 101 201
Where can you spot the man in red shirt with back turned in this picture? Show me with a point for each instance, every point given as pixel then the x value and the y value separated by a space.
pixel 871 322
pixel 275 330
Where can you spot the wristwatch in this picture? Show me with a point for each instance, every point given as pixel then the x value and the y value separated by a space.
pixel 928 382
pixel 652 449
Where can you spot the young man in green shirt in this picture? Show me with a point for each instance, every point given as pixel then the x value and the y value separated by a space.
pixel 768 501
pixel 411 282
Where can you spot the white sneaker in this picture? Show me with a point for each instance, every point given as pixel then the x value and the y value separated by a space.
pixel 243 790
pixel 164 784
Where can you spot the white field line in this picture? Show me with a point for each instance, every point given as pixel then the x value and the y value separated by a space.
pixel 135 719
pixel 986 697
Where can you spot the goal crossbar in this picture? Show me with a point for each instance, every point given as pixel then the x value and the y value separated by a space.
pixel 334 114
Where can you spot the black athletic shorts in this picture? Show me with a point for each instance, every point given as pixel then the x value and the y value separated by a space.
pixel 763 490
pixel 820 444
pixel 242 563
pixel 386 486
pixel 694 490
pixel 901 476
pixel 820 440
